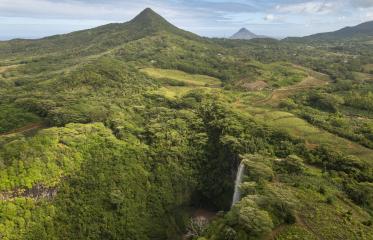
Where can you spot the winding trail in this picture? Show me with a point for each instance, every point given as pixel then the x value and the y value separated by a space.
pixel 276 231
pixel 282 93
pixel 25 129
pixel 300 221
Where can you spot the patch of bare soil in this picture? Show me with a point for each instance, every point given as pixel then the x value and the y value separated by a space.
pixel 276 231
pixel 36 192
pixel 209 215
pixel 255 86
pixel 6 68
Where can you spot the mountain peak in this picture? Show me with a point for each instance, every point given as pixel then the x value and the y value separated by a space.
pixel 244 30
pixel 148 11
pixel 148 16
pixel 149 22
pixel 245 34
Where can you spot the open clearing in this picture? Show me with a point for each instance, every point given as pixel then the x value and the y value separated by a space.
pixel 172 92
pixel 189 79
pixel 176 92
pixel 279 94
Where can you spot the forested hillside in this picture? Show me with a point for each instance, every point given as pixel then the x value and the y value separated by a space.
pixel 137 131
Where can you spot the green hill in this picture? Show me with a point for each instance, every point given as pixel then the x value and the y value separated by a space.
pixel 96 40
pixel 361 31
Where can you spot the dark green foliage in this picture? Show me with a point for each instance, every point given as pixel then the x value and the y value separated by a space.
pixel 12 117
pixel 361 101
pixel 258 167
pixel 324 102
pixel 292 165
pixel 361 193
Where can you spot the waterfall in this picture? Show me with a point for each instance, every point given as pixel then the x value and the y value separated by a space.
pixel 237 191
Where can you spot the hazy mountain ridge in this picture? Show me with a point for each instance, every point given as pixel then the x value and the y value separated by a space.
pixel 363 30
pixel 245 34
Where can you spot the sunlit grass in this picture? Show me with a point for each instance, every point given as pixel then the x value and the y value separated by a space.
pixel 300 128
pixel 190 79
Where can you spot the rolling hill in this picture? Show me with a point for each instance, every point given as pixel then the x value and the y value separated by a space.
pixel 363 30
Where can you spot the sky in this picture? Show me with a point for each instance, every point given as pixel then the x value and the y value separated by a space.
pixel 211 18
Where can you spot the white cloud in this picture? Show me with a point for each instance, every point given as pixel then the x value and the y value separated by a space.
pixel 269 17
pixel 311 7
pixel 368 16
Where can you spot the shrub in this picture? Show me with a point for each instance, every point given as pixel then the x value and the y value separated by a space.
pixel 257 167
pixel 330 200
pixel 292 164
pixel 255 221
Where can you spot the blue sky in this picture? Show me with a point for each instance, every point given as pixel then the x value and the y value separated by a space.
pixel 213 18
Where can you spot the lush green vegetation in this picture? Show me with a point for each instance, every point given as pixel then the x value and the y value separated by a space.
pixel 144 124
pixel 12 118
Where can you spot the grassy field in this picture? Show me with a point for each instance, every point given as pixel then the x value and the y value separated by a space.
pixel 284 74
pixel 173 92
pixel 307 79
pixel 187 82
pixel 277 95
pixel 363 76
pixel 186 78
pixel 314 215
pixel 314 136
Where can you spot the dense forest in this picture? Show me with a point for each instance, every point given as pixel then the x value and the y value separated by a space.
pixel 137 131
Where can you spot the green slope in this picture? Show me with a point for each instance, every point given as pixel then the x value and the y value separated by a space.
pixel 93 40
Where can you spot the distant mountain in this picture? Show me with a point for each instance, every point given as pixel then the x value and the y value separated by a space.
pixel 245 34
pixel 360 31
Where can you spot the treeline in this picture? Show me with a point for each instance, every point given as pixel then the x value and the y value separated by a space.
pixel 361 101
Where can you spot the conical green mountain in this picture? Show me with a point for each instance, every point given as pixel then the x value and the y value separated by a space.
pixel 97 39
